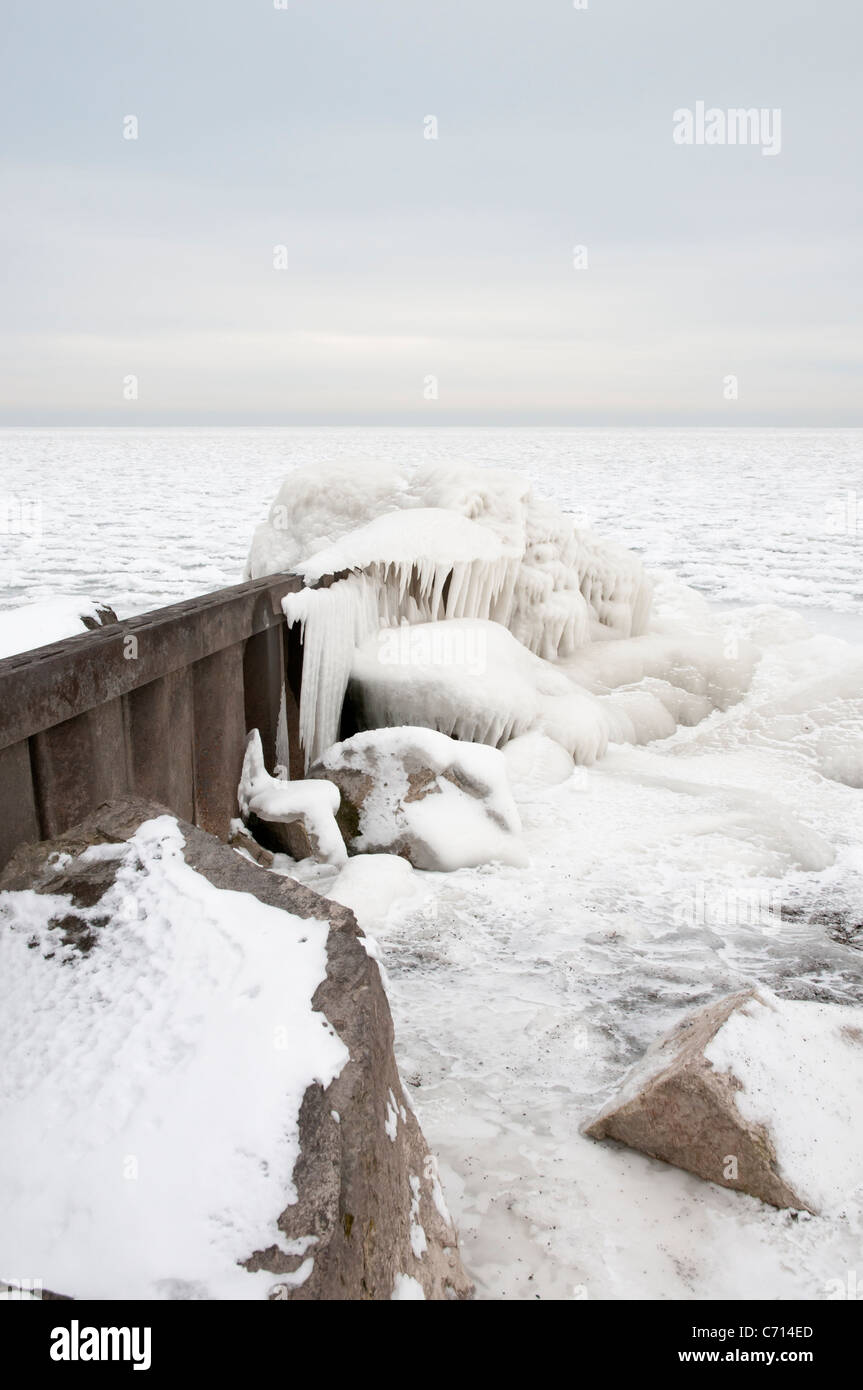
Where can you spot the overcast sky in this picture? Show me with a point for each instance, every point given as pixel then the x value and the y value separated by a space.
pixel 410 258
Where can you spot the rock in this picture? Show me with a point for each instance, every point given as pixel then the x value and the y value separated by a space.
pixel 434 801
pixel 370 1211
pixel 679 1105
pixel 241 838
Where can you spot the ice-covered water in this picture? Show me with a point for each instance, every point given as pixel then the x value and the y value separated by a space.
pixel 144 517
pixel 660 878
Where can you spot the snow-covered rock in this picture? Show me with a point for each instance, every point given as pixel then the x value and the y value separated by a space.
pixel 298 816
pixel 423 796
pixel 199 1095
pixel 472 679
pixel 754 1092
pixel 40 624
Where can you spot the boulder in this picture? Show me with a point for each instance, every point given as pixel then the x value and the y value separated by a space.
pixel 366 1217
pixel 754 1092
pixel 417 793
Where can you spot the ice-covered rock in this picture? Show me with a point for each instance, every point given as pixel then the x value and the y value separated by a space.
pixel 473 680
pixel 440 545
pixel 534 761
pixel 511 556
pixel 204 1102
pixel 691 673
pixel 299 818
pixel 418 794
pixel 754 1092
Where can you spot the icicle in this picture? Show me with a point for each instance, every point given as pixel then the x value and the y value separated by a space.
pixel 332 622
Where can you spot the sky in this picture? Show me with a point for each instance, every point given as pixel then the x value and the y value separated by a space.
pixel 283 243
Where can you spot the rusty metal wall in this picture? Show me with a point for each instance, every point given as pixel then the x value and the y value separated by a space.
pixel 158 706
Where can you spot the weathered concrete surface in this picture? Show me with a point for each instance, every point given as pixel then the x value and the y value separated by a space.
pixel 156 706
pixel 354 1180
pixel 675 1106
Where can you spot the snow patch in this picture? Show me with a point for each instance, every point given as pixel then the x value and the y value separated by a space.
pixel 405 1289
pixel 41 624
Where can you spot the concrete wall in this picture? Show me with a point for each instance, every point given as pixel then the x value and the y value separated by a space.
pixel 157 705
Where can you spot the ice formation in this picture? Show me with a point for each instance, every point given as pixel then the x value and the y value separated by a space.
pixel 471 679
pixel 443 545
pixel 533 762
pixel 315 803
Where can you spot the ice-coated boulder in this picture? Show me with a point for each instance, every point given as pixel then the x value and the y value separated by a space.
pixel 438 803
pixel 534 762
pixel 753 1092
pixel 205 1103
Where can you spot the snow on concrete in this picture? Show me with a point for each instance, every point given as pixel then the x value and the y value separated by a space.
pixel 39 624
pixel 151 1088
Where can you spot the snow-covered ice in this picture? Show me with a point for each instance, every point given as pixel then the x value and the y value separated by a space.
pixel 659 879
pixel 144 517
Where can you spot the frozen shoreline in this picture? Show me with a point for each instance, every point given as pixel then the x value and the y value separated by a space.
pixel 521 996
pixel 659 878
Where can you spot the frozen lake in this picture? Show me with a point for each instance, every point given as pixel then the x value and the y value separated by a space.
pixel 520 996
pixel 140 518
